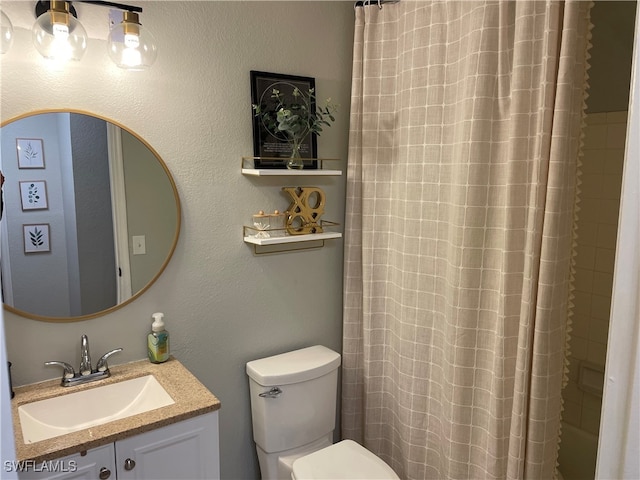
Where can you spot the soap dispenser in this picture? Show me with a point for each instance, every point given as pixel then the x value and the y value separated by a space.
pixel 158 340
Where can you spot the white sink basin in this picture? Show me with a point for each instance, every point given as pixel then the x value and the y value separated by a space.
pixel 76 411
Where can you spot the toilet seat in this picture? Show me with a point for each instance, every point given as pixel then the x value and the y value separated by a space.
pixel 345 460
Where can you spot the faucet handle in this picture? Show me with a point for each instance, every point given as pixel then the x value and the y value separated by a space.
pixel 69 372
pixel 101 366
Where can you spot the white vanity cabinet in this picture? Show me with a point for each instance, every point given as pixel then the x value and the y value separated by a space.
pixel 187 449
pixel 184 450
pixel 91 464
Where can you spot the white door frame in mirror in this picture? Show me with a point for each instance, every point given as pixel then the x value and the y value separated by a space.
pixel 119 209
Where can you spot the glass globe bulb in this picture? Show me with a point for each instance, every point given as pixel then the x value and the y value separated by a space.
pixel 6 33
pixel 131 46
pixel 59 36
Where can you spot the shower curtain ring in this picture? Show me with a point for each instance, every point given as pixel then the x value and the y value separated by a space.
pixel 366 3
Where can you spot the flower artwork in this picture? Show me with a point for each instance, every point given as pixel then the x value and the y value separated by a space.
pixel 33 195
pixel 296 118
pixel 288 115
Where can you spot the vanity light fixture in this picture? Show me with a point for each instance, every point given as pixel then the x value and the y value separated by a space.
pixel 57 34
pixel 130 46
pixel 6 33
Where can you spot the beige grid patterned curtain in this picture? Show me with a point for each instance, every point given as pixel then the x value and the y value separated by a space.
pixel 465 135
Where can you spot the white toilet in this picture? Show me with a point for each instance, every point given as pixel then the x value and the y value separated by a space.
pixel 293 408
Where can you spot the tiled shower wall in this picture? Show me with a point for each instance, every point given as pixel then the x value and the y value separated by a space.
pixel 603 150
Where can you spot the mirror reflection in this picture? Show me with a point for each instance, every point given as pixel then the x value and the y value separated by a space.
pixel 91 215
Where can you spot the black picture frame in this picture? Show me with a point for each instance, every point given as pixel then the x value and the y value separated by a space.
pixel 273 152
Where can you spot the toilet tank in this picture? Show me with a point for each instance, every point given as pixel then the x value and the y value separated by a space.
pixel 306 409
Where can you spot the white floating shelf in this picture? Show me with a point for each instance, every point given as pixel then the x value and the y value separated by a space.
pixel 248 164
pixel 274 172
pixel 292 238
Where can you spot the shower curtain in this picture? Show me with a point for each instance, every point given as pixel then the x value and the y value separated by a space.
pixel 461 180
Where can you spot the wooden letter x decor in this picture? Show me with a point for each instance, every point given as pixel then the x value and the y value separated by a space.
pixel 305 210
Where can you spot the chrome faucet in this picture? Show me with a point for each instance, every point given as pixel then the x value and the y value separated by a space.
pixel 85 356
pixel 87 373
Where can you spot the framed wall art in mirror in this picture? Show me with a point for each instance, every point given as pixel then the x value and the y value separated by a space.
pixel 102 185
pixel 36 239
pixel 30 152
pixel 33 195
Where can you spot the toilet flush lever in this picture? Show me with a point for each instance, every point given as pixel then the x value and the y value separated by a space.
pixel 275 392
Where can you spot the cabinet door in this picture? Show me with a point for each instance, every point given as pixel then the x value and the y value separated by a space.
pixel 183 450
pixel 98 463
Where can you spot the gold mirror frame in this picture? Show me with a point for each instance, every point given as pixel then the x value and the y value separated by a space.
pixel 133 297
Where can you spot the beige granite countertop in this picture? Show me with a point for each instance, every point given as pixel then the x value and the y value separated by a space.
pixel 190 396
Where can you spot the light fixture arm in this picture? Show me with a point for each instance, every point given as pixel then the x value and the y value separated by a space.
pixel 43 6
pixel 119 6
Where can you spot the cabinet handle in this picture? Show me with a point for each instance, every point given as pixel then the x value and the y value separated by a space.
pixel 104 473
pixel 129 464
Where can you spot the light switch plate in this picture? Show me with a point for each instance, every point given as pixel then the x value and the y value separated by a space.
pixel 139 245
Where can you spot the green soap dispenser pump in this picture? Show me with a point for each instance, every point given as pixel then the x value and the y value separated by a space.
pixel 158 340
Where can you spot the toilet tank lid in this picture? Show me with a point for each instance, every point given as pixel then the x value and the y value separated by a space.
pixel 293 367
pixel 345 460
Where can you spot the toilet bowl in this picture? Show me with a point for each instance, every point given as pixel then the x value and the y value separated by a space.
pixel 293 412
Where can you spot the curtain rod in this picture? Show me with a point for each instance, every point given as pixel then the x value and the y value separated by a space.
pixel 379 3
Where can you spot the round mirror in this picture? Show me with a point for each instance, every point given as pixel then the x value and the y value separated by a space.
pixel 91 215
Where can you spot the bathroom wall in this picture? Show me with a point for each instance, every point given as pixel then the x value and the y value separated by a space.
pixel 604 144
pixel 223 305
pixel 611 53
pixel 597 226
pixel 150 202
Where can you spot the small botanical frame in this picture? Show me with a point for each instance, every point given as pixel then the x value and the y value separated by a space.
pixel 30 152
pixel 34 195
pixel 36 238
